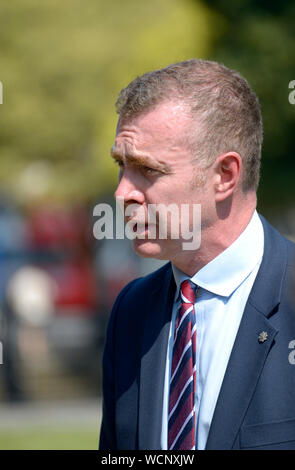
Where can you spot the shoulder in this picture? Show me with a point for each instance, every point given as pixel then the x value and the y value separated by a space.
pixel 278 264
pixel 144 286
pixel 135 295
pixel 279 243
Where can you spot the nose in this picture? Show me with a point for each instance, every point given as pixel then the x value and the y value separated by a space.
pixel 129 188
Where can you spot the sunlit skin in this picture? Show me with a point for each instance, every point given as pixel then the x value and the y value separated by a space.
pixel 156 167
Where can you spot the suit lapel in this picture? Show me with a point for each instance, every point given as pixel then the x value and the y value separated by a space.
pixel 154 350
pixel 244 368
pixel 249 355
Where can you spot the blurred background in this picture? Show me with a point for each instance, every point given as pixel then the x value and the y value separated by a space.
pixel 62 67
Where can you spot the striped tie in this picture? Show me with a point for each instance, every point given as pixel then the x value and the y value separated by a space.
pixel 181 419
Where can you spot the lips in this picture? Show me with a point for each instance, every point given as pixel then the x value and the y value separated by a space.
pixel 140 227
pixel 135 222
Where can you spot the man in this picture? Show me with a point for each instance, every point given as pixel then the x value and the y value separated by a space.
pixel 197 354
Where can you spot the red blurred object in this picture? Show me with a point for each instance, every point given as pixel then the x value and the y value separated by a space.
pixel 54 228
pixel 75 287
pixel 67 232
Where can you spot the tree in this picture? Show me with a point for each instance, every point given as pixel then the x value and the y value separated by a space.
pixel 258 39
pixel 62 66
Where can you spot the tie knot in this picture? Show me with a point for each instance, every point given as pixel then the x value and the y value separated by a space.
pixel 188 291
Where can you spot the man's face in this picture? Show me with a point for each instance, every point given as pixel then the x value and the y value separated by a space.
pixel 156 168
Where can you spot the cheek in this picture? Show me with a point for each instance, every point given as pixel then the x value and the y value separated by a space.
pixel 166 192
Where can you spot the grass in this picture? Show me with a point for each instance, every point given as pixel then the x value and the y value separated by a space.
pixel 49 439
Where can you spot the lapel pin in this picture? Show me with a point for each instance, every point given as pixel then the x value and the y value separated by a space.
pixel 262 336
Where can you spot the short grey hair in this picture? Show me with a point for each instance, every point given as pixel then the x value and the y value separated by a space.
pixel 220 99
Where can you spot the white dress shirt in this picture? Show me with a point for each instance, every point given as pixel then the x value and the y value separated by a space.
pixel 224 287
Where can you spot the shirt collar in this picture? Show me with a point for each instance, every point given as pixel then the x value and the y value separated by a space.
pixel 230 268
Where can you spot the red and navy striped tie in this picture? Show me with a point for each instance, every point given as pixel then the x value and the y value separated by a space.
pixel 181 419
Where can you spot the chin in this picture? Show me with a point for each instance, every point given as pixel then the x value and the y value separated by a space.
pixel 148 249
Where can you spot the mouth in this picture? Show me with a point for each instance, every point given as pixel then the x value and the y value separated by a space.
pixel 138 227
pixel 143 230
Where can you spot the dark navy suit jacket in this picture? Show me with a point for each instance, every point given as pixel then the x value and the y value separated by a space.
pixel 256 404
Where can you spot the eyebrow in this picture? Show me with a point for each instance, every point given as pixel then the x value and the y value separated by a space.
pixel 141 161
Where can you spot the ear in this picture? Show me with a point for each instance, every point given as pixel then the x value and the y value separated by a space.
pixel 228 168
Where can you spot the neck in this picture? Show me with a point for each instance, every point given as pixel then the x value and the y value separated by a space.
pixel 215 238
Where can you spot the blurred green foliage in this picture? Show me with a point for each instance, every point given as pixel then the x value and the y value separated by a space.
pixel 258 39
pixel 63 64
pixel 42 438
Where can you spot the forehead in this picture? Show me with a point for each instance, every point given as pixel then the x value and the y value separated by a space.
pixel 166 122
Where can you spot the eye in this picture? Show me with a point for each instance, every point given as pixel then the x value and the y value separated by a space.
pixel 149 171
